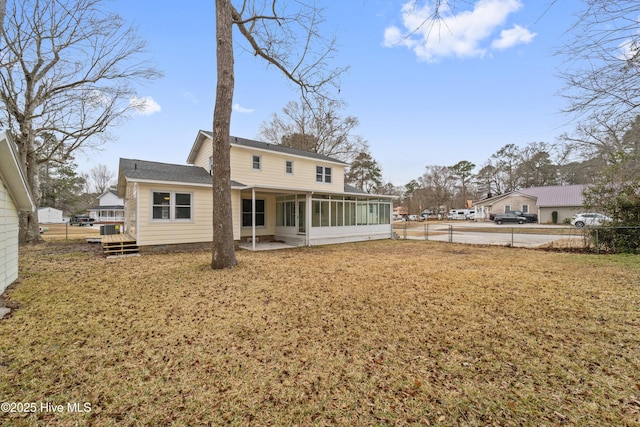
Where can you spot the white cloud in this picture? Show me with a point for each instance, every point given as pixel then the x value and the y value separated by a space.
pixel 145 106
pixel 466 34
pixel 515 36
pixel 191 97
pixel 240 109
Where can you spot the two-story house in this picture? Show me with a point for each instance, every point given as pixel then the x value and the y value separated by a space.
pixel 277 193
pixel 110 208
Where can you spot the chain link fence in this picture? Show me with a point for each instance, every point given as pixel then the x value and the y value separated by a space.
pixel 559 237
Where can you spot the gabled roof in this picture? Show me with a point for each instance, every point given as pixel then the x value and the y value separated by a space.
pixel 12 174
pixel 549 196
pixel 557 195
pixel 258 145
pixel 143 170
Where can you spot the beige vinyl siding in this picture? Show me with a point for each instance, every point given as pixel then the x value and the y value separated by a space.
pixel 131 210
pixel 564 213
pixel 273 171
pixel 205 152
pixel 197 229
pixel 8 238
pixel 515 203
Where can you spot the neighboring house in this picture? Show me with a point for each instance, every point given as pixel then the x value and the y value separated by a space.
pixel 277 193
pixel 400 211
pixel 566 200
pixel 110 208
pixel 50 216
pixel 14 198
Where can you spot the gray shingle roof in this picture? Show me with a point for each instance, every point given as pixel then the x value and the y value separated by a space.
pixel 274 147
pixel 155 171
pixel 351 189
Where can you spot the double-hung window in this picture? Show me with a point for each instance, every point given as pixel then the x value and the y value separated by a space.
pixel 288 167
pixel 323 174
pixel 168 205
pixel 247 213
pixel 256 162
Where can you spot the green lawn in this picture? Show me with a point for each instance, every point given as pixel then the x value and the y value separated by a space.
pixel 376 333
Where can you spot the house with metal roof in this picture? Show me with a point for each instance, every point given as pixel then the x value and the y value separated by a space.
pixel 278 194
pixel 15 197
pixel 566 200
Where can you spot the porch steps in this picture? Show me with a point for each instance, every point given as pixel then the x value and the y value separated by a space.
pixel 119 244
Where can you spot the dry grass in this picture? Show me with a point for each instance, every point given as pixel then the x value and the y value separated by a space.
pixel 377 333
pixel 66 231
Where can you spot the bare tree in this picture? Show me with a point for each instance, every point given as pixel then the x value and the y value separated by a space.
pixel 316 127
pixel 101 178
pixel 437 183
pixel 67 70
pixel 602 75
pixel 287 36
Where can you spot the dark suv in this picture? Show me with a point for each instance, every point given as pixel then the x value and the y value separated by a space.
pixel 81 220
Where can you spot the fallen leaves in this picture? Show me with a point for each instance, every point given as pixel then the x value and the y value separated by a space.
pixel 376 333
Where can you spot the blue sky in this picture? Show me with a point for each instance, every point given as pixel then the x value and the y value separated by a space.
pixel 487 79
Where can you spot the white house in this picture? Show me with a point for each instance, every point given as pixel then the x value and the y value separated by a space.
pixel 110 208
pixel 278 193
pixel 50 216
pixel 14 198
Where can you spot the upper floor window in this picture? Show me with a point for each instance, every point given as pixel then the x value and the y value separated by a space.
pixel 507 208
pixel 525 208
pixel 256 162
pixel 289 167
pixel 170 205
pixel 323 174
pixel 210 165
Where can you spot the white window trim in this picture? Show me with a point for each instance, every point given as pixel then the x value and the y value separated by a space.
pixel 172 206
pixel 286 165
pixel 259 162
pixel 324 174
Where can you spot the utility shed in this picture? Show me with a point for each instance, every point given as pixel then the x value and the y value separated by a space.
pixel 50 216
pixel 14 198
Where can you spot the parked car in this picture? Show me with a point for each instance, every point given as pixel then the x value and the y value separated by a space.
pixel 81 220
pixel 509 217
pixel 582 219
pixel 413 217
pixel 528 216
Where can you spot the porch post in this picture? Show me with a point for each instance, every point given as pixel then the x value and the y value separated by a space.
pixel 307 230
pixel 253 218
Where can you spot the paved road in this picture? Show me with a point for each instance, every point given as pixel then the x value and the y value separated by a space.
pixel 508 236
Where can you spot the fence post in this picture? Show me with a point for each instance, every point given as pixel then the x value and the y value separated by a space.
pixel 512 237
pixel 405 230
pixel 450 233
pixel 66 230
pixel 597 243
pixel 426 231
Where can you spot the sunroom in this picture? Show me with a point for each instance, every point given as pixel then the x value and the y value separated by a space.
pixel 309 218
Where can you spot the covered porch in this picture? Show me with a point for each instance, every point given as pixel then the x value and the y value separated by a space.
pixel 304 218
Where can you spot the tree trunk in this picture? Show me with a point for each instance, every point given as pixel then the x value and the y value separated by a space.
pixel 29 227
pixel 223 246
